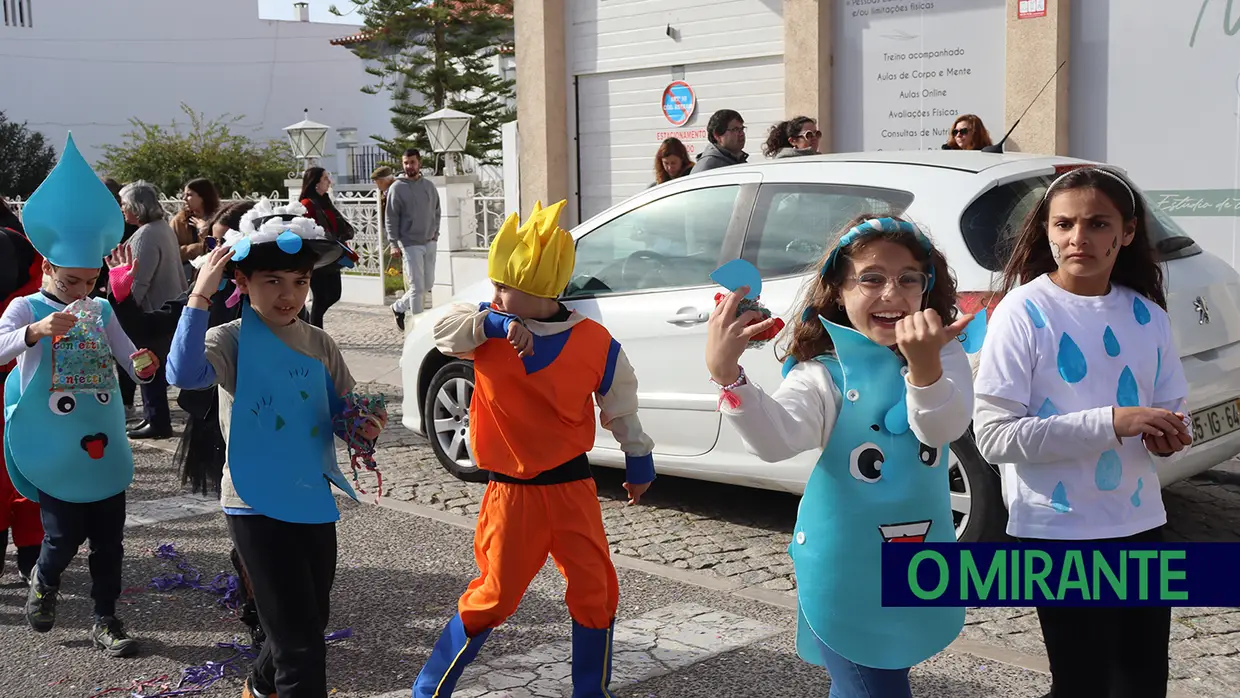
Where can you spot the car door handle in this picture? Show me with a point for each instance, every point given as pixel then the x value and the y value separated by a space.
pixel 689 317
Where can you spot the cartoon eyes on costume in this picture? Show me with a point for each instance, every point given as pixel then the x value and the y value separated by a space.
pixel 61 403
pixel 103 398
pixel 866 462
pixel 928 456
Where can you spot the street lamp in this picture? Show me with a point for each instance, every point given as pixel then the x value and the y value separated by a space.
pixel 448 131
pixel 308 140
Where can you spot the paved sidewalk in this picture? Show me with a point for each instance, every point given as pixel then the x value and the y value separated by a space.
pixel 739 536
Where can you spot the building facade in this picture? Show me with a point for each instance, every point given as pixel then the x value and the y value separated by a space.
pixel 84 66
pixel 594 77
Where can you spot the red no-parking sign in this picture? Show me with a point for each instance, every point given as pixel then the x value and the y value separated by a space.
pixel 679 102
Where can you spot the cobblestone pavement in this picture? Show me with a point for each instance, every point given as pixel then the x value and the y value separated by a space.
pixel 742 534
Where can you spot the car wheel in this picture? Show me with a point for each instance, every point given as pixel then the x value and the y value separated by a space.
pixel 976 494
pixel 446 415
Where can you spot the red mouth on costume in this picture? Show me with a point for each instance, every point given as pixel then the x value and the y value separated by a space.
pixel 94 445
pixel 910 532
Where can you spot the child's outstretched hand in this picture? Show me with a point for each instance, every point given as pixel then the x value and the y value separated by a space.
pixel 521 339
pixel 636 491
pixel 145 363
pixel 921 337
pixel 727 336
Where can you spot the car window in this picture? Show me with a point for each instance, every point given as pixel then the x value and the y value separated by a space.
pixel 793 224
pixel 673 242
pixel 991 223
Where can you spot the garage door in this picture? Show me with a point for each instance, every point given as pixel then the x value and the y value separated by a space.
pixel 620 121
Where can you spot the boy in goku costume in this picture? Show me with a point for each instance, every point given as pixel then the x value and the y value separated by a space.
pixel 539 369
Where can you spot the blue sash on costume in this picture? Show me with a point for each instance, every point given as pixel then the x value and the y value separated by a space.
pixel 844 521
pixel 70 445
pixel 281 453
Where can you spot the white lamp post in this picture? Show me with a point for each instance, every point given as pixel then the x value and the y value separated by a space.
pixel 308 139
pixel 448 131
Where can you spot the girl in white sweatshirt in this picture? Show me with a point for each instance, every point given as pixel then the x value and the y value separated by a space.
pixel 1080 396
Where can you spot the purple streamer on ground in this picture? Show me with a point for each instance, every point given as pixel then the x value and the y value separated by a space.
pixel 197 679
pixel 224 586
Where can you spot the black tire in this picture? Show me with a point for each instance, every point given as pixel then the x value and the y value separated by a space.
pixel 451 446
pixel 986 519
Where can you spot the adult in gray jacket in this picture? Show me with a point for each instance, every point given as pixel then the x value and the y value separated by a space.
pixel 726 133
pixel 159 289
pixel 412 224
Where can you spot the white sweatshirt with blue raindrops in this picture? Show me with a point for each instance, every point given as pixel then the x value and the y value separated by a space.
pixel 1053 367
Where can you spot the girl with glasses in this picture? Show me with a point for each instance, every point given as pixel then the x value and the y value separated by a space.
pixel 874 379
pixel 791 138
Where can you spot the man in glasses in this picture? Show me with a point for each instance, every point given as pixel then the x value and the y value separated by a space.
pixel 726 133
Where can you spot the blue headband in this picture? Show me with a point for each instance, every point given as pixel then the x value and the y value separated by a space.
pixel 880 225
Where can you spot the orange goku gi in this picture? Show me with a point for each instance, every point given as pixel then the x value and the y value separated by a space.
pixel 539 369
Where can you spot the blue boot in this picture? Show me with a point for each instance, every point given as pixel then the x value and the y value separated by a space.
pixel 452 653
pixel 591 661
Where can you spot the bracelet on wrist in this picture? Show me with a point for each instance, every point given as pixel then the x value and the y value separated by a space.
pixel 741 379
pixel 205 299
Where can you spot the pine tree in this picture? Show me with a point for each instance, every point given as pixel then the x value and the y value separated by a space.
pixel 431 54
pixel 25 158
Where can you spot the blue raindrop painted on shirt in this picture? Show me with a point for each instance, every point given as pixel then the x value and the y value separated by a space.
pixel 1136 496
pixel 1110 342
pixel 974 333
pixel 1108 471
pixel 1140 311
pixel 1127 395
pixel 1039 320
pixel 1158 370
pixel 1071 361
pixel 1047 409
pixel 1059 499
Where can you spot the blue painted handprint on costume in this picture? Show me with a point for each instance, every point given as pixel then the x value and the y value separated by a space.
pixel 874 485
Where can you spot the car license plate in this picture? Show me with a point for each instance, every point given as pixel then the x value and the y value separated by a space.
pixel 1213 422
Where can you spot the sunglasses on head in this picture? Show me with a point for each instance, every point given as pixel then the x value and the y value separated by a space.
pixel 960 132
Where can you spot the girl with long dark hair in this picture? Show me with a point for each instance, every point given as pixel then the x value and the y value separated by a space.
pixel 796 136
pixel 325 282
pixel 1081 400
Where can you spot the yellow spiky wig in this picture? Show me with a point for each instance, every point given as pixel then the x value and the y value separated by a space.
pixel 537 257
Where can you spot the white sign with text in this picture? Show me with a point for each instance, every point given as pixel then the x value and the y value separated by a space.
pixel 906 69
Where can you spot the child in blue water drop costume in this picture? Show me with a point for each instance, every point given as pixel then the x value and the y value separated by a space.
pixel 1081 396
pixel 875 379
pixel 64 440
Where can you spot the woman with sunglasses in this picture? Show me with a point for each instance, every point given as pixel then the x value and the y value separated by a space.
pixel 792 138
pixel 968 133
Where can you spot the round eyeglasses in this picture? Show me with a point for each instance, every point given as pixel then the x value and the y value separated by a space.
pixel 909 283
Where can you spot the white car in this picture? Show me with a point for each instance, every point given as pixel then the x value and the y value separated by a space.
pixel 642 270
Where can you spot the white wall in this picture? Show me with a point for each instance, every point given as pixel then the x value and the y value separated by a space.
pixel 619 60
pixel 611 35
pixel 87 66
pixel 1172 122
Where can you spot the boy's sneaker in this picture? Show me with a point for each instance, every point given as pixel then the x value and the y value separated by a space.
pixel 400 319
pixel 40 604
pixel 109 635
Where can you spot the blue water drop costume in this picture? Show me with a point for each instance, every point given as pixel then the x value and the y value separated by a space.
pixel 902 494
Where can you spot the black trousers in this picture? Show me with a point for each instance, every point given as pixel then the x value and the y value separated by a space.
pixel 1108 652
pixel 66 525
pixel 325 285
pixel 291 568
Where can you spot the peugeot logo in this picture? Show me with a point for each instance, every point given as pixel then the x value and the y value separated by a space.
pixel 1203 310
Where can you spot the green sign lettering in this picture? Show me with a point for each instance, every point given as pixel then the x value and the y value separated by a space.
pixel 1038 577
pixel 1072 576
pixel 1143 577
pixel 1166 574
pixel 1119 585
pixel 970 577
pixel 913 584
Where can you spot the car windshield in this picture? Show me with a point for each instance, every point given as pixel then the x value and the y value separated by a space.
pixel 990 224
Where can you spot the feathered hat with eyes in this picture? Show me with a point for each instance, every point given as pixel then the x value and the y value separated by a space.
pixel 288 229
